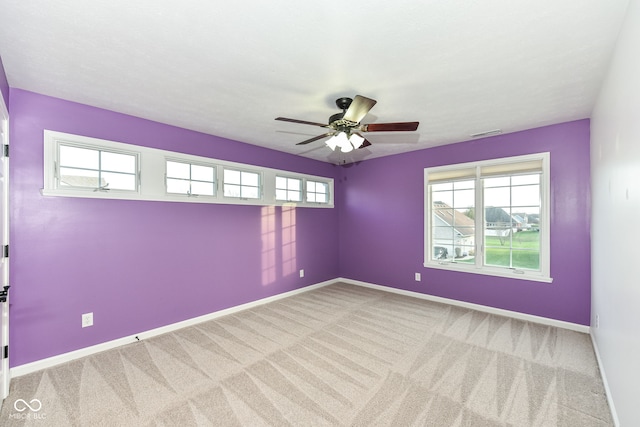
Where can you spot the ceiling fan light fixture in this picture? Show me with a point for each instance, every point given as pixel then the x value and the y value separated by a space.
pixel 339 140
pixel 332 142
pixel 356 140
pixel 343 142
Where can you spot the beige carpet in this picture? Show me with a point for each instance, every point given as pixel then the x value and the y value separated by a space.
pixel 338 355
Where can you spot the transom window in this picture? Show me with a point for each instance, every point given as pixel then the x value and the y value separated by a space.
pixel 490 217
pixel 100 170
pixel 241 184
pixel 80 166
pixel 190 179
pixel 317 192
pixel 289 189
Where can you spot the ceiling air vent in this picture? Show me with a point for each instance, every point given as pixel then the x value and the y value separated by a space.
pixel 487 133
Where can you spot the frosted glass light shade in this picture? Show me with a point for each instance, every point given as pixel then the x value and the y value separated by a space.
pixel 356 140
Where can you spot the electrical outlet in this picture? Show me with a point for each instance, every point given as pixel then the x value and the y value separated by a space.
pixel 301 272
pixel 87 320
pixel 418 277
pixel 597 321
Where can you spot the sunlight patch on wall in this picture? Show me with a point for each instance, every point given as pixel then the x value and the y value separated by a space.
pixel 268 231
pixel 289 261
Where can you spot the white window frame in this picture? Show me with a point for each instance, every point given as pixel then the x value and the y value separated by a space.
pixel 260 185
pixel 329 195
pixel 58 175
pixel 543 275
pixel 302 188
pixel 190 163
pixel 151 165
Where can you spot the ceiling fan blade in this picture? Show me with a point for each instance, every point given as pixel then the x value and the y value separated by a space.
pixel 359 108
pixel 390 127
pixel 315 138
pixel 303 122
pixel 366 143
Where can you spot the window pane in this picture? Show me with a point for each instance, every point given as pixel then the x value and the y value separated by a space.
pixel 497 182
pixel 445 186
pixel 311 187
pixel 526 239
pixel 79 157
pixel 294 184
pixel 179 186
pixel 498 196
pixel 119 181
pixel 445 197
pixel 294 196
pixel 525 195
pixel 462 185
pixel 231 176
pixel 317 192
pixel 250 178
pixel 464 253
pixel 231 190
pixel 525 179
pixel 249 192
pixel 453 230
pixel 529 260
pixel 70 177
pixel 115 162
pixel 202 173
pixel 498 257
pixel 177 170
pixel 288 189
pixel 202 188
pixel 463 198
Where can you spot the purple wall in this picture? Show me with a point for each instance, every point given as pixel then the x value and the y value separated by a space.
pixel 4 85
pixel 140 265
pixel 382 224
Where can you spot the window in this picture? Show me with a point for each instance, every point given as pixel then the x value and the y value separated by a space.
pixel 190 179
pixel 317 192
pixel 241 184
pixel 490 217
pixel 96 169
pixel 79 166
pixel 288 189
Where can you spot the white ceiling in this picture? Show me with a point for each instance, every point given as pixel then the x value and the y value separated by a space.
pixel 229 68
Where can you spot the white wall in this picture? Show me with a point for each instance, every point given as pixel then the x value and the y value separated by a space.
pixel 615 227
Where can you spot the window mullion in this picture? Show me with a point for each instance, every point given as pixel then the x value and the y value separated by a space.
pixel 99 170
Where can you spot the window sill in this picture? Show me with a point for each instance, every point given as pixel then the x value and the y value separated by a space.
pixel 511 274
pixel 90 194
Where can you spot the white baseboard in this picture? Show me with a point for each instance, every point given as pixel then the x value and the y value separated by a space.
pixel 498 311
pixel 87 351
pixel 607 390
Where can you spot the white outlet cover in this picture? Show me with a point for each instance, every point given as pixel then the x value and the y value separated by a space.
pixel 87 320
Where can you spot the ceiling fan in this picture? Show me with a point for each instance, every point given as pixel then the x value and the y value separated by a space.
pixel 346 127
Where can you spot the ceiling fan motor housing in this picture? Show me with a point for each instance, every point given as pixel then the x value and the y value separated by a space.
pixel 343 103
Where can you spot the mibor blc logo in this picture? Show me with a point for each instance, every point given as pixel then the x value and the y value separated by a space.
pixel 21 405
pixel 27 410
